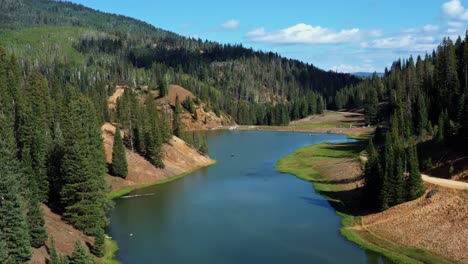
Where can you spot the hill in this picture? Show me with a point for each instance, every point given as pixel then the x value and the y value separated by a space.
pixel 241 82
pixel 179 158
pixel 367 74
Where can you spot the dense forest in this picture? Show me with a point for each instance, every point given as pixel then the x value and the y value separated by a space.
pixel 92 48
pixel 427 102
pixel 60 62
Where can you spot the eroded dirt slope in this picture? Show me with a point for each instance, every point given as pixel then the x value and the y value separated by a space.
pixel 179 158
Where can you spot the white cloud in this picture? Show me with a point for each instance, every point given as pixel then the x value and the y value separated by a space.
pixel 352 68
pixel 455 24
pixel 402 43
pixel 376 33
pixel 455 10
pixel 409 30
pixel 430 28
pixel 452 30
pixel 230 24
pixel 303 34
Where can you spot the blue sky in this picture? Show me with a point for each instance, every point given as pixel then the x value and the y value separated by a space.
pixel 341 35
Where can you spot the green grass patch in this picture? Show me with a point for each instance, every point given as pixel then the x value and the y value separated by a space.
pixel 45 44
pixel 325 125
pixel 111 249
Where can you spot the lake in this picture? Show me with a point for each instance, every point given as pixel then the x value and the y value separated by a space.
pixel 240 210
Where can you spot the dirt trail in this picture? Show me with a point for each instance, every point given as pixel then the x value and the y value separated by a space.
pixel 445 183
pixel 451 184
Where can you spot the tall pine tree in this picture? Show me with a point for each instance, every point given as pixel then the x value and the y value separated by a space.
pixel 37 230
pixel 415 184
pixel 13 224
pixel 177 123
pixel 119 159
pixel 83 194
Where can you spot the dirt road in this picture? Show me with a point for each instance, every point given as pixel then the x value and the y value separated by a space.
pixel 445 183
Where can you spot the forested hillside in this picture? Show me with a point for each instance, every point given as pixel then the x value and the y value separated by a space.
pixel 427 99
pixel 253 87
pixel 60 62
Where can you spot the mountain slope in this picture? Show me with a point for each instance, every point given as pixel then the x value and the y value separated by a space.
pixel 92 47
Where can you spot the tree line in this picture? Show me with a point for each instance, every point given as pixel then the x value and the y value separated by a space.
pixel 428 101
pixel 52 153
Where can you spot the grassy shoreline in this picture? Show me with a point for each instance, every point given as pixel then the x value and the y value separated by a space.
pixel 126 190
pixel 302 163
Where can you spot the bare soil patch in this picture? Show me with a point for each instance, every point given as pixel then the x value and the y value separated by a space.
pixel 112 101
pixel 64 235
pixel 179 157
pixel 436 222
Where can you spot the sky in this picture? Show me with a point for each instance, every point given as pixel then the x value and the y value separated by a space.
pixel 338 35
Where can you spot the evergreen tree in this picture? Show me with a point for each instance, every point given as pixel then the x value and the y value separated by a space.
pixel 421 115
pixel 441 128
pixel 99 244
pixel 371 106
pixel 13 225
pixel 415 184
pixel 389 160
pixel 37 230
pixel 54 255
pixel 55 161
pixel 176 125
pixel 119 159
pixel 83 194
pixel 153 134
pixel 3 250
pixel 163 88
pixel 372 177
pixel 79 255
pixel 13 222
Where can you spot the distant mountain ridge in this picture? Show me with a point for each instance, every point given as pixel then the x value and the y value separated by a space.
pixel 367 74
pixel 253 87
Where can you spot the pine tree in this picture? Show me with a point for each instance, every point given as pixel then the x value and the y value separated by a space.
pixel 422 115
pixel 176 125
pixel 372 177
pixel 371 106
pixel 163 88
pixel 54 256
pixel 415 184
pixel 83 193
pixel 37 230
pixel 12 217
pixel 464 119
pixel 3 250
pixel 440 137
pixel 55 161
pixel 79 255
pixel 385 196
pixel 99 244
pixel 13 225
pixel 39 101
pixel 119 159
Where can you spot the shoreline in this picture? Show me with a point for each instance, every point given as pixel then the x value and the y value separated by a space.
pixel 128 189
pixel 351 225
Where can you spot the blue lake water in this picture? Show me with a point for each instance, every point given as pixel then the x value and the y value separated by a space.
pixel 240 210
